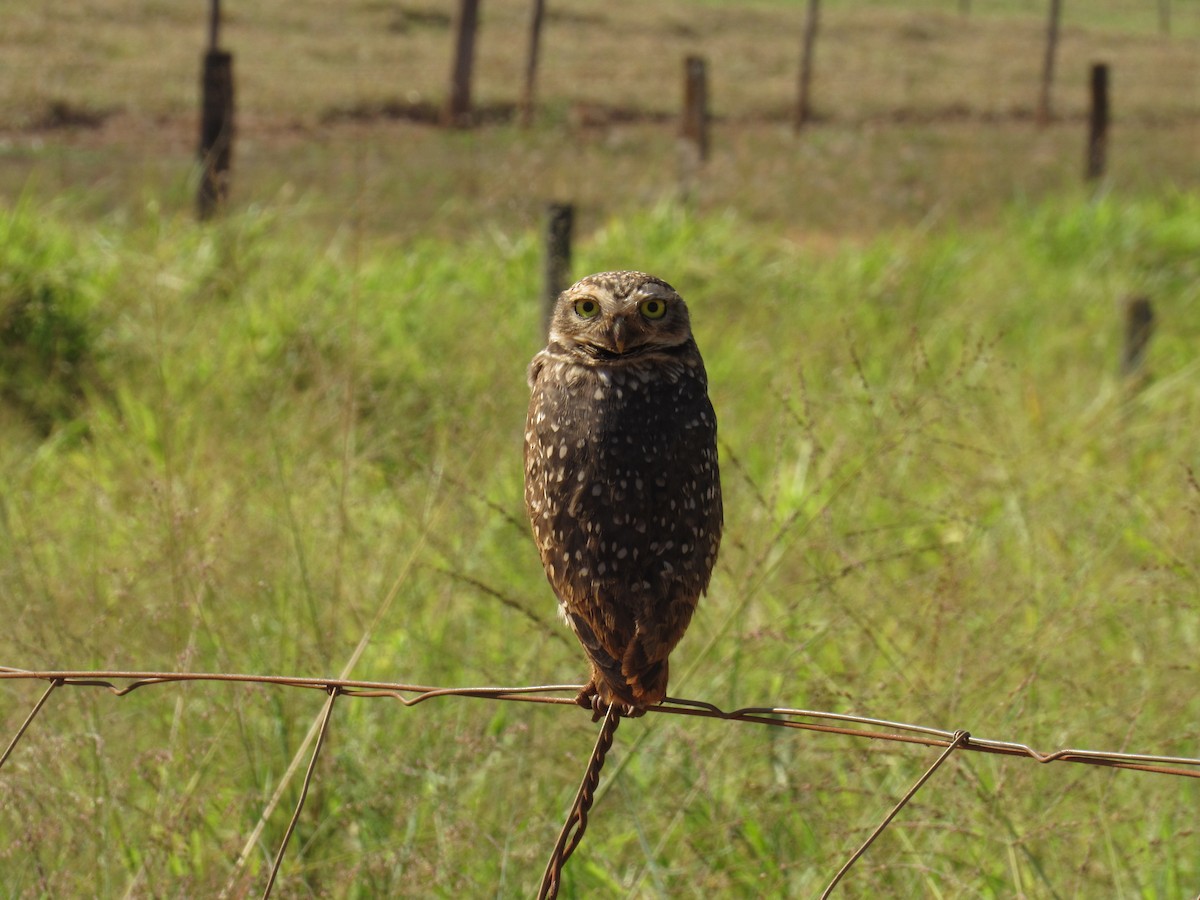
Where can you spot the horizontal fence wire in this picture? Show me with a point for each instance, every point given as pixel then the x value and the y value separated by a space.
pixel 564 695
pixel 121 683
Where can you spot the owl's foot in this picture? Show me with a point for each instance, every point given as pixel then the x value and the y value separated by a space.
pixel 589 698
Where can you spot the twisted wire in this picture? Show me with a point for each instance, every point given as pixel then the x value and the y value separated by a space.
pixel 577 819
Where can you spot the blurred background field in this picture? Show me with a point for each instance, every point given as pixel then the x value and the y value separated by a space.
pixel 258 443
pixel 924 113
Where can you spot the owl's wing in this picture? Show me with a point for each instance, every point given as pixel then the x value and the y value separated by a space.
pixel 535 368
pixel 608 665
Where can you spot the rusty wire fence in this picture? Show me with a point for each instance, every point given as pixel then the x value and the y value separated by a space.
pixel 122 683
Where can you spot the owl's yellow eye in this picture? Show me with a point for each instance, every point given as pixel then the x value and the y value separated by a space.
pixel 587 308
pixel 652 309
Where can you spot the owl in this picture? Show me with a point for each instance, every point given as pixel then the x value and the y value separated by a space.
pixel 622 485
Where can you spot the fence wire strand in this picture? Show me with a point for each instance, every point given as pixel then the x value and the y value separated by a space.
pixel 37 707
pixel 308 774
pixel 960 738
pixel 121 683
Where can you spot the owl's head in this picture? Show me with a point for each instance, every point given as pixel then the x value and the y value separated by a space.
pixel 620 314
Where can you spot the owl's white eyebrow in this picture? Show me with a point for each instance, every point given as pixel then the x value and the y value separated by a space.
pixel 656 291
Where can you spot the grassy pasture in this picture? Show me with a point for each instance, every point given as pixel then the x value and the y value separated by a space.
pixel 943 508
pixel 267 443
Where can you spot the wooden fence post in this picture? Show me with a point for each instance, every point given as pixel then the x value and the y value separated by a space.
pixel 214 24
pixel 1044 113
pixel 808 45
pixel 531 61
pixel 1097 146
pixel 560 221
pixel 695 106
pixel 693 131
pixel 216 121
pixel 457 112
pixel 1139 327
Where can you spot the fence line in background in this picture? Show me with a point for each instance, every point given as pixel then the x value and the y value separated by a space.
pixel 217 95
pixel 572 832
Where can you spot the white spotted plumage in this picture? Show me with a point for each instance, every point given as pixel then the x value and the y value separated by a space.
pixel 622 484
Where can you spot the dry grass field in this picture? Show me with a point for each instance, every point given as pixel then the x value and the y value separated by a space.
pixel 924 114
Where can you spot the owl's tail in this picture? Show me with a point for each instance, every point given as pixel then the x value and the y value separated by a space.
pixel 635 680
pixel 638 688
pixel 645 678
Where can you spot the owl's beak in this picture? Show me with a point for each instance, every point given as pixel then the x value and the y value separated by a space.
pixel 618 335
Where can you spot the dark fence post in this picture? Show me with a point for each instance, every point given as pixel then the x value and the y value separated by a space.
pixel 695 105
pixel 560 221
pixel 1044 113
pixel 216 121
pixel 1097 146
pixel 531 62
pixel 214 24
pixel 1139 326
pixel 808 46
pixel 457 112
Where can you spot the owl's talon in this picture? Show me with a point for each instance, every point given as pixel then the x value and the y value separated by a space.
pixel 599 708
pixel 589 698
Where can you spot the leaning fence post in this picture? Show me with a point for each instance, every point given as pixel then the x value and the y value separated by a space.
pixel 1097 146
pixel 216 121
pixel 560 220
pixel 1139 327
pixel 531 62
pixel 807 48
pixel 1044 113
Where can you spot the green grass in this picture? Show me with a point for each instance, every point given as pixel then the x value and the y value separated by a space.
pixel 943 507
